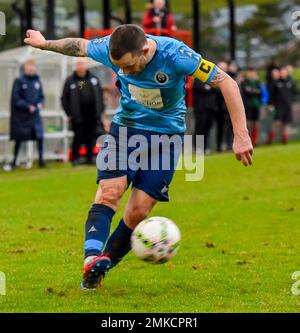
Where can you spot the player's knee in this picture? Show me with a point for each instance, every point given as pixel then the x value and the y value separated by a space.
pixel 109 194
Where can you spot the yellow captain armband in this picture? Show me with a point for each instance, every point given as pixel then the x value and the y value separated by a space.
pixel 204 70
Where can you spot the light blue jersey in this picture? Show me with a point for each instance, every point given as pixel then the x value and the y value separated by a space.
pixel 154 99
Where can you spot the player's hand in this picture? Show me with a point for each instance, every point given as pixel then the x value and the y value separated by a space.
pixel 242 147
pixel 35 39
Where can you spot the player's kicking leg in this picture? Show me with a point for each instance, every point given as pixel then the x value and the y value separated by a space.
pixel 97 229
pixel 137 209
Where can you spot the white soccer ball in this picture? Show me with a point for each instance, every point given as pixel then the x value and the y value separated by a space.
pixel 155 240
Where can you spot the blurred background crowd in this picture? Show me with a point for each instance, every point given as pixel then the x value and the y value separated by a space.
pixel 85 97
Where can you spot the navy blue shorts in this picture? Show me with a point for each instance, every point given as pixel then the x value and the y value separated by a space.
pixel 147 158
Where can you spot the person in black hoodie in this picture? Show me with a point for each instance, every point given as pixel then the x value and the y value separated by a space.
pixel 82 100
pixel 205 108
pixel 284 92
pixel 222 117
pixel 251 93
pixel 27 101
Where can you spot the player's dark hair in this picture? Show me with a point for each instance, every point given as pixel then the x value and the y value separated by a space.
pixel 126 38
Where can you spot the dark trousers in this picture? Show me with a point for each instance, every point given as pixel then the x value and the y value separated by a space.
pixel 84 133
pixel 220 122
pixel 40 147
pixel 203 124
pixel 228 132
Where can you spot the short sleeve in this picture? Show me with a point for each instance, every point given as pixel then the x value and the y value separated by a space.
pixel 98 50
pixel 186 60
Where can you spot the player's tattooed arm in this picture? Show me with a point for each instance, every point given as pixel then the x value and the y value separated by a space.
pixel 219 77
pixel 76 47
pixel 242 145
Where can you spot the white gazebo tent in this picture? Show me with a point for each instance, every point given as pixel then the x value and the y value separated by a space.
pixel 53 69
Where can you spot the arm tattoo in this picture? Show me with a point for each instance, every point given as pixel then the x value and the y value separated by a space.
pixel 218 77
pixel 75 47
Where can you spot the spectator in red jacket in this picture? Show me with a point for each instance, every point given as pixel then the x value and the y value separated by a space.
pixel 158 17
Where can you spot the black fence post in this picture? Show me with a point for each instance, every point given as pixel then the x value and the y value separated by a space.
pixel 28 14
pixel 196 25
pixel 50 19
pixel 128 17
pixel 106 12
pixel 231 5
pixel 82 22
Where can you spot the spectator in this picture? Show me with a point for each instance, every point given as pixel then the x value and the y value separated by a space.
pixel 221 116
pixel 205 108
pixel 158 17
pixel 283 94
pixel 82 100
pixel 233 70
pixel 27 101
pixel 252 93
pixel 273 65
pixel 271 85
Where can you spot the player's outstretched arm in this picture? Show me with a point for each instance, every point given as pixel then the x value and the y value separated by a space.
pixel 242 145
pixel 76 47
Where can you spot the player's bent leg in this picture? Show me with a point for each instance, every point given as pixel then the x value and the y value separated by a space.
pixel 97 229
pixel 138 207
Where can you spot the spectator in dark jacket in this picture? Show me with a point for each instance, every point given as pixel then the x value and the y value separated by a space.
pixel 82 100
pixel 271 85
pixel 273 65
pixel 27 101
pixel 233 70
pixel 205 108
pixel 222 115
pixel 252 93
pixel 284 92
pixel 158 17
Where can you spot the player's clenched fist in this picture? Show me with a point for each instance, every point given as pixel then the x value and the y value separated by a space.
pixel 35 39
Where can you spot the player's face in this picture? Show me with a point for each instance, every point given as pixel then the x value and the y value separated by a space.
pixel 131 64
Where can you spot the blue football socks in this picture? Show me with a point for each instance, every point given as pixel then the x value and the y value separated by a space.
pixel 118 244
pixel 97 229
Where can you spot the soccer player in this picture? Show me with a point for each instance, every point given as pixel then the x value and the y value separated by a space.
pixel 151 75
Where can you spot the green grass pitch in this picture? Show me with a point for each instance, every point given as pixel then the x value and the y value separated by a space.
pixel 240 241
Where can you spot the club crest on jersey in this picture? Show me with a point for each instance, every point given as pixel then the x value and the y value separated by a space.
pixel 161 78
